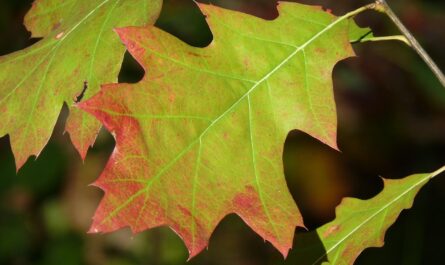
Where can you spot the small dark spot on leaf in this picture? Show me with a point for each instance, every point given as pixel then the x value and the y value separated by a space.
pixel 56 26
pixel 80 96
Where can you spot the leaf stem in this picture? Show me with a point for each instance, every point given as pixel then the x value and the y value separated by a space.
pixel 437 172
pixel 360 10
pixel 401 38
pixel 382 6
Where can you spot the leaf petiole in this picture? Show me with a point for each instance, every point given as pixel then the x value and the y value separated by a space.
pixel 372 6
pixel 382 6
pixel 437 172
pixel 407 37
pixel 401 38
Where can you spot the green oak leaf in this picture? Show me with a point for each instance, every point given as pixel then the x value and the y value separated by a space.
pixel 359 224
pixel 79 51
pixel 202 135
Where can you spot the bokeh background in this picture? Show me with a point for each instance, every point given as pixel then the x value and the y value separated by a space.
pixel 391 113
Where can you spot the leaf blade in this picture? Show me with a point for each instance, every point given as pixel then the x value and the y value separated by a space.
pixel 354 228
pixel 37 81
pixel 251 88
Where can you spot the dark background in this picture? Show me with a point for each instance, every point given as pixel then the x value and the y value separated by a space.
pixel 391 113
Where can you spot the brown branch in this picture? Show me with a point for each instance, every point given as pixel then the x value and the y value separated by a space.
pixel 382 6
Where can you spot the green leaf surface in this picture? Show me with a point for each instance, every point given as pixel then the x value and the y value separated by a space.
pixel 360 224
pixel 202 135
pixel 78 52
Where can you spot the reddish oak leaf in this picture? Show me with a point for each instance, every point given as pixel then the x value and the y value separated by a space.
pixel 202 135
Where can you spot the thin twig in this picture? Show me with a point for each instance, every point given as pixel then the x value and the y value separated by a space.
pixel 383 6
